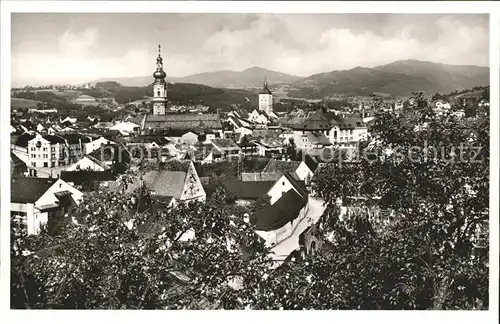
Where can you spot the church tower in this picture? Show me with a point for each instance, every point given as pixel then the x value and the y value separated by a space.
pixel 159 87
pixel 266 98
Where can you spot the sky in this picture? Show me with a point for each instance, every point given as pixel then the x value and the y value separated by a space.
pixel 73 48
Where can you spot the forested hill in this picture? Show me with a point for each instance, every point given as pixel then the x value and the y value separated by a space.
pixel 178 94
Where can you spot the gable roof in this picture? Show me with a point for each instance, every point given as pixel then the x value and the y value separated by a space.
pixel 29 189
pixel 298 185
pixel 283 211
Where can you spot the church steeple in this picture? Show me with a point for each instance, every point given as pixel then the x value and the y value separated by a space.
pixel 266 98
pixel 159 74
pixel 159 87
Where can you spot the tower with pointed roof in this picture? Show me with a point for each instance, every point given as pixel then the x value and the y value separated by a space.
pixel 159 87
pixel 266 98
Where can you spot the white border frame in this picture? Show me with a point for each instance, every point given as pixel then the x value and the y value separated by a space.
pixel 7 7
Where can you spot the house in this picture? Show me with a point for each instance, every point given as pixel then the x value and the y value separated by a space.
pixel 176 179
pixel 68 121
pixel 269 146
pixel 47 151
pixel 313 143
pixel 277 222
pixel 247 192
pixel 204 153
pixel 442 105
pixel 21 143
pixel 227 147
pixel 89 163
pixel 37 201
pixel 96 144
pixel 295 168
pixel 179 136
pixel 126 127
pixel 17 166
pixel 285 183
pixel 76 145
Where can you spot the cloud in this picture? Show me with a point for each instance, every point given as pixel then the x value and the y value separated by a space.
pixel 295 44
pixel 78 44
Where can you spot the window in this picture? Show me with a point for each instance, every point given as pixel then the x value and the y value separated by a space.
pixel 45 149
pixel 45 164
pixel 33 164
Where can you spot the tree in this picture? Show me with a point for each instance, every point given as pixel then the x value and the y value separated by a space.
pixel 115 257
pixel 428 252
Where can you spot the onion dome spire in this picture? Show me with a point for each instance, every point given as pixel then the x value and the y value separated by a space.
pixel 159 74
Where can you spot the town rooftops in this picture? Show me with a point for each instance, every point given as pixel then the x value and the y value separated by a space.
pixel 183 121
pixel 29 189
pixel 283 211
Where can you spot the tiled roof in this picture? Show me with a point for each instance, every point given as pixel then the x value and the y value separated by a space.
pixel 283 211
pixel 225 144
pixel 162 183
pixel 248 190
pixel 279 166
pixel 317 138
pixel 28 189
pixel 183 121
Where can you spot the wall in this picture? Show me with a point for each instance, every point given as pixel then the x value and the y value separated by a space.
pixel 303 172
pixel 266 102
pixel 198 193
pixel 281 186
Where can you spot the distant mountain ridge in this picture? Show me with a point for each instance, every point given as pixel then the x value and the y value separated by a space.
pixel 397 78
pixel 251 77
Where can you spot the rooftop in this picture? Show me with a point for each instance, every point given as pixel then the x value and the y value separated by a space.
pixel 283 211
pixel 29 189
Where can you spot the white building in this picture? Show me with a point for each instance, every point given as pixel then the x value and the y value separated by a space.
pixel 35 201
pixel 126 127
pixel 47 151
pixel 266 99
pixel 96 144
